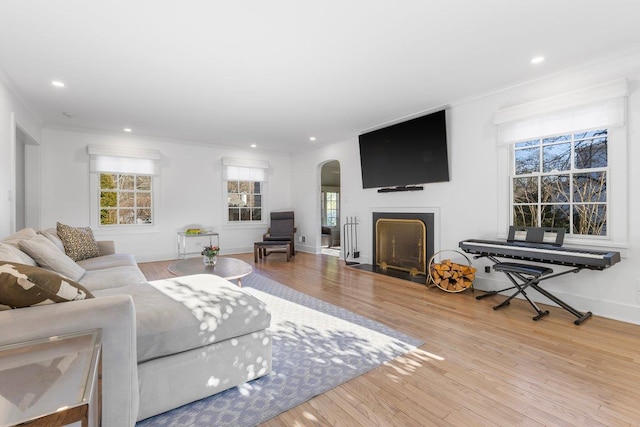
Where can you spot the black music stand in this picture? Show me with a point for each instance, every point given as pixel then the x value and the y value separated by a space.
pixel 523 275
pixel 549 235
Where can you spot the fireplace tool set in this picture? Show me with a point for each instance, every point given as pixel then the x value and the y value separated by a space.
pixel 350 237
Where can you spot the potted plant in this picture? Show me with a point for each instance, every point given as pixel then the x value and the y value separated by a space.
pixel 210 254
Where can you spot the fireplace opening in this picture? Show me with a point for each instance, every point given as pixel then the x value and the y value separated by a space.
pixel 402 245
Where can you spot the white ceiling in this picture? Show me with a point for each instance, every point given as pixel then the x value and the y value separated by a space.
pixel 275 73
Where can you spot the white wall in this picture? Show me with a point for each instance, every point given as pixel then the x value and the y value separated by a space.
pixel 12 112
pixel 189 191
pixel 468 204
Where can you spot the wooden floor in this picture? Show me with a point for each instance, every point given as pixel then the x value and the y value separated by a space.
pixel 477 366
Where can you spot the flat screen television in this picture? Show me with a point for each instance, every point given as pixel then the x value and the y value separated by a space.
pixel 406 154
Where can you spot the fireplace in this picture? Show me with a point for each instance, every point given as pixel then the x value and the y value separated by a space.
pixel 400 245
pixel 403 244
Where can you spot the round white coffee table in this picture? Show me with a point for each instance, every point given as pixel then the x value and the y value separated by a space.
pixel 227 268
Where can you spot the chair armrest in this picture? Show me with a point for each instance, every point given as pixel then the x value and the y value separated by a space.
pixel 116 317
pixel 106 247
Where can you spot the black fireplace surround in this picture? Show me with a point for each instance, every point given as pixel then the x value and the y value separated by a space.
pixel 427 219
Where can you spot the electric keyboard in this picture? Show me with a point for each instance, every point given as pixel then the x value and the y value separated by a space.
pixel 541 252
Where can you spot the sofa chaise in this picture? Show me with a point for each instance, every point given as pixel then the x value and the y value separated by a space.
pixel 165 343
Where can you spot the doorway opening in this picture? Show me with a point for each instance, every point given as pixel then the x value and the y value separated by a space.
pixel 25 208
pixel 330 208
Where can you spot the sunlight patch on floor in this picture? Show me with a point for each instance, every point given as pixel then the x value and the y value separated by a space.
pixel 332 251
pixel 407 364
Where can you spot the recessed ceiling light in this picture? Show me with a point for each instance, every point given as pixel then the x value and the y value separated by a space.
pixel 57 83
pixel 253 145
pixel 68 114
pixel 313 138
pixel 127 129
pixel 537 59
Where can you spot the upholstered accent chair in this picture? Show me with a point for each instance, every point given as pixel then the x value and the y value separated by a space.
pixel 282 229
pixel 326 237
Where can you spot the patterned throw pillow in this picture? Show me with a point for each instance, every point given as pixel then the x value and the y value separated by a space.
pixel 78 242
pixel 24 286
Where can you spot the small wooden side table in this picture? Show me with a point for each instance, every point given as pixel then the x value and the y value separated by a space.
pixel 51 381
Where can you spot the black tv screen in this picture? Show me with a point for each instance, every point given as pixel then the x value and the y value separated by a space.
pixel 405 154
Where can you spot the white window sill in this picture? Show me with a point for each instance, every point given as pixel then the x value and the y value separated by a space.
pixel 125 229
pixel 244 225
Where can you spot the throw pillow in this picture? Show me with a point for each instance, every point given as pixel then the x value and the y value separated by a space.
pixel 18 236
pixel 52 234
pixel 24 286
pixel 78 242
pixel 9 253
pixel 47 255
pixel 12 253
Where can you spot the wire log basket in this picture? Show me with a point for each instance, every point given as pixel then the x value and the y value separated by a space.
pixel 451 276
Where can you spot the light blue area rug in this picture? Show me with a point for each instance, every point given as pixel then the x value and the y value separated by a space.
pixel 316 347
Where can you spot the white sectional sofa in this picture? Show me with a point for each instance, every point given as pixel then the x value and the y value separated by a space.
pixel 165 343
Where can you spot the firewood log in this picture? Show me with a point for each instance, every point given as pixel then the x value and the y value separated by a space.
pixel 451 276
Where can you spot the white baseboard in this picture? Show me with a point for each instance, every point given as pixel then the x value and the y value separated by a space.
pixel 156 257
pixel 603 308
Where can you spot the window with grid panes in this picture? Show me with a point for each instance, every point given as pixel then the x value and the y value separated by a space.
pixel 244 201
pixel 330 208
pixel 561 181
pixel 125 199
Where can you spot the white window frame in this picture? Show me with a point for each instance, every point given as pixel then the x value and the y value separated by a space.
pixel 570 172
pixel 135 192
pixel 123 160
pixel 602 106
pixel 323 205
pixel 234 169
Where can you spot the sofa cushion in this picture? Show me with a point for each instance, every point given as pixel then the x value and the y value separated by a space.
pixel 108 261
pixel 47 255
pixel 112 277
pixel 78 242
pixel 107 247
pixel 11 253
pixel 188 312
pixel 25 285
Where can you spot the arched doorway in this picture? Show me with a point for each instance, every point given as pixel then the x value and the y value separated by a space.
pixel 330 208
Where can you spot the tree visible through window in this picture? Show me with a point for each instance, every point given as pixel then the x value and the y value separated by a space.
pixel 125 199
pixel 244 199
pixel 561 181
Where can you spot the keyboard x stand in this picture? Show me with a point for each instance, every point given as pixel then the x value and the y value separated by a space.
pixel 523 276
